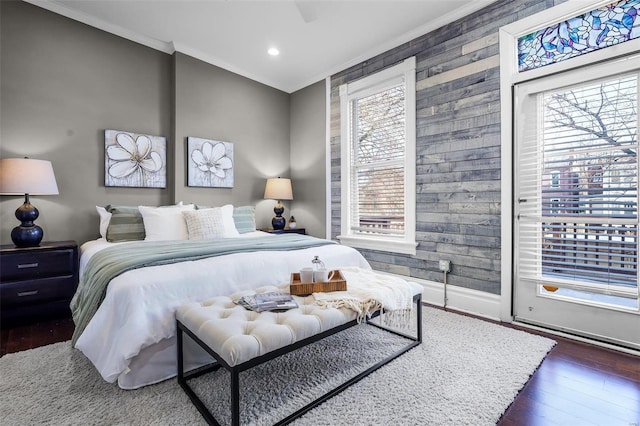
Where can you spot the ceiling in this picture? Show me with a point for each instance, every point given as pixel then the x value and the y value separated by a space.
pixel 315 38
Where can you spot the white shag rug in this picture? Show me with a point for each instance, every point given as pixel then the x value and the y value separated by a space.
pixel 466 372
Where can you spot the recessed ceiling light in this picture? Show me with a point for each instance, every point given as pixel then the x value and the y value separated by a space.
pixel 273 51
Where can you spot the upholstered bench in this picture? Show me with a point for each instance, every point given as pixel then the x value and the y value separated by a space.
pixel 239 339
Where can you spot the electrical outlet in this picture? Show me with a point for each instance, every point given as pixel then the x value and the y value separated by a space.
pixel 445 265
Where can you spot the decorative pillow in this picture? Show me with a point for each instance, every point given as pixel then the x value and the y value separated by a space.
pixel 105 218
pixel 230 230
pixel 204 224
pixel 125 225
pixel 244 218
pixel 211 223
pixel 165 223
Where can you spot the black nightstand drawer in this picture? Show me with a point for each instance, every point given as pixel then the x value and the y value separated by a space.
pixel 37 282
pixel 36 291
pixel 17 266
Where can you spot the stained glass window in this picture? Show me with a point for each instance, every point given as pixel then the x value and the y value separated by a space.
pixel 600 28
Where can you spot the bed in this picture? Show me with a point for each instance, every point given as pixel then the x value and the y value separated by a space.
pixel 130 338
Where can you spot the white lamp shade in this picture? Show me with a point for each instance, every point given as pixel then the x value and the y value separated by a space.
pixel 278 189
pixel 19 176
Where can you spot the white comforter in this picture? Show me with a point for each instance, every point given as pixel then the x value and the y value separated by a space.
pixel 138 311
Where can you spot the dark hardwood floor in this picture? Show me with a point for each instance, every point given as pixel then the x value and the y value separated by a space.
pixel 16 338
pixel 577 383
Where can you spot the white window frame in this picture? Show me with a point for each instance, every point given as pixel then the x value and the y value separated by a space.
pixel 509 75
pixel 404 72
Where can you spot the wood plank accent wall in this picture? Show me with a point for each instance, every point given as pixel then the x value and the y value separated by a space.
pixel 458 147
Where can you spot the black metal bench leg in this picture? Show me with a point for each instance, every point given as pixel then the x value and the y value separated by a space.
pixel 419 318
pixel 179 338
pixel 235 397
pixel 182 380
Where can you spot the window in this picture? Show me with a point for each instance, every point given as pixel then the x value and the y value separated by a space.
pixel 597 29
pixel 378 160
pixel 578 182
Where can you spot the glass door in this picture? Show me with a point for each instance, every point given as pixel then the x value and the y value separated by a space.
pixel 576 202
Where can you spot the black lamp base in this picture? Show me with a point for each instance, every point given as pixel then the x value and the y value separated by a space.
pixel 278 222
pixel 27 234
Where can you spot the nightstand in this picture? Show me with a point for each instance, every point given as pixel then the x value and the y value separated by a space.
pixel 285 231
pixel 37 282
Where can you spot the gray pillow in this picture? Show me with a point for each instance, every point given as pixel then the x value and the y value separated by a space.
pixel 126 224
pixel 245 218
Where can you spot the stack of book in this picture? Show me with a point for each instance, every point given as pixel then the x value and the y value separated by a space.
pixel 272 301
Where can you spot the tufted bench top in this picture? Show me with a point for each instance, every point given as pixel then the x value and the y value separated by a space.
pixel 239 335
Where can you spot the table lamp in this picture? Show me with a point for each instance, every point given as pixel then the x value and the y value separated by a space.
pixel 26 176
pixel 278 189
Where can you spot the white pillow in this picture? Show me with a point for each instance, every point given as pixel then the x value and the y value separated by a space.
pixel 230 229
pixel 165 223
pixel 212 223
pixel 105 218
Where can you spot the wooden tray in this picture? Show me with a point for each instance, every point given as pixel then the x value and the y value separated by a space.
pixel 297 288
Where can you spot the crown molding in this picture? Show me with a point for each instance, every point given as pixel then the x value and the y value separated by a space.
pixel 472 6
pixel 103 25
pixel 171 47
pixel 166 47
pixel 212 60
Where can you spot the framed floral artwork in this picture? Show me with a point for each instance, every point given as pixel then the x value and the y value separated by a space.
pixel 209 163
pixel 134 160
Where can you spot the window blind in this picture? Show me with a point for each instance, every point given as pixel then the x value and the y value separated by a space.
pixel 377 163
pixel 577 186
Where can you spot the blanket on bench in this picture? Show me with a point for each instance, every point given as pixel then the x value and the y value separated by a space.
pixel 370 291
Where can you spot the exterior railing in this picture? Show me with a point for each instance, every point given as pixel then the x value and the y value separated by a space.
pixel 598 253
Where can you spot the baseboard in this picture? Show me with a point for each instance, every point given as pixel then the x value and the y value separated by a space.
pixel 578 338
pixel 487 305
pixel 461 299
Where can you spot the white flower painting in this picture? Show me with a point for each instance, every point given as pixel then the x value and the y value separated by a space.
pixel 210 163
pixel 135 160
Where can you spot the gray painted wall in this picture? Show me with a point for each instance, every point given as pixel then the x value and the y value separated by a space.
pixel 213 103
pixel 458 146
pixel 63 83
pixel 308 158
